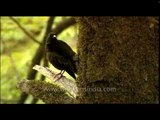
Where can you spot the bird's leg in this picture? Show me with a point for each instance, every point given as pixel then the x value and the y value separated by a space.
pixel 61 75
pixel 58 74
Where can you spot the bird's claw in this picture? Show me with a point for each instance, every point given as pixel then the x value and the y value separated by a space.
pixel 58 77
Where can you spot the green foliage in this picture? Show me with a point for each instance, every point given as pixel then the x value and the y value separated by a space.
pixel 19 49
pixel 10 31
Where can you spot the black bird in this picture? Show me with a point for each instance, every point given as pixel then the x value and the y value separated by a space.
pixel 60 55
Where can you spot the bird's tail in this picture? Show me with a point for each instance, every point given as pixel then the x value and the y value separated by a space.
pixel 71 73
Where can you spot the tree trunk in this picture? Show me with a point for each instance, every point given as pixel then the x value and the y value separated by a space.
pixel 118 60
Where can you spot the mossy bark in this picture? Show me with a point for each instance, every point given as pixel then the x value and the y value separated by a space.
pixel 118 60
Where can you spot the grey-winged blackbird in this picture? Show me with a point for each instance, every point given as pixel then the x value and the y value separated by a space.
pixel 60 55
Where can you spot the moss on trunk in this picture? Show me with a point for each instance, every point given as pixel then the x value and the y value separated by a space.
pixel 118 59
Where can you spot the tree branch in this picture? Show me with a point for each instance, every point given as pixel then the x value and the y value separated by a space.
pixel 47 92
pixel 67 84
pixel 45 63
pixel 63 25
pixel 38 56
pixel 24 30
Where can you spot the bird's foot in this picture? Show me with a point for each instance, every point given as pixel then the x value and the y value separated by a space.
pixel 59 77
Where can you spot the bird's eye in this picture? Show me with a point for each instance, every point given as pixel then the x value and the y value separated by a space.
pixel 54 36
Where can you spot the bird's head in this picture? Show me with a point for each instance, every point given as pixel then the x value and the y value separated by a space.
pixel 51 38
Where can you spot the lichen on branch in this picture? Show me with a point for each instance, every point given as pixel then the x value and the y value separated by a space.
pixel 65 83
pixel 61 91
pixel 47 92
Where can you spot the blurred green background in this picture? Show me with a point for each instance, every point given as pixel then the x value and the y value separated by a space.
pixel 17 51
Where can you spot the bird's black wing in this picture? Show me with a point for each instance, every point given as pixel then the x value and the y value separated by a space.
pixel 64 53
pixel 67 65
pixel 65 50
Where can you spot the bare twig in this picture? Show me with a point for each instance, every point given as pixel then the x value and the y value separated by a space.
pixel 24 30
pixel 45 63
pixel 67 84
pixel 63 25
